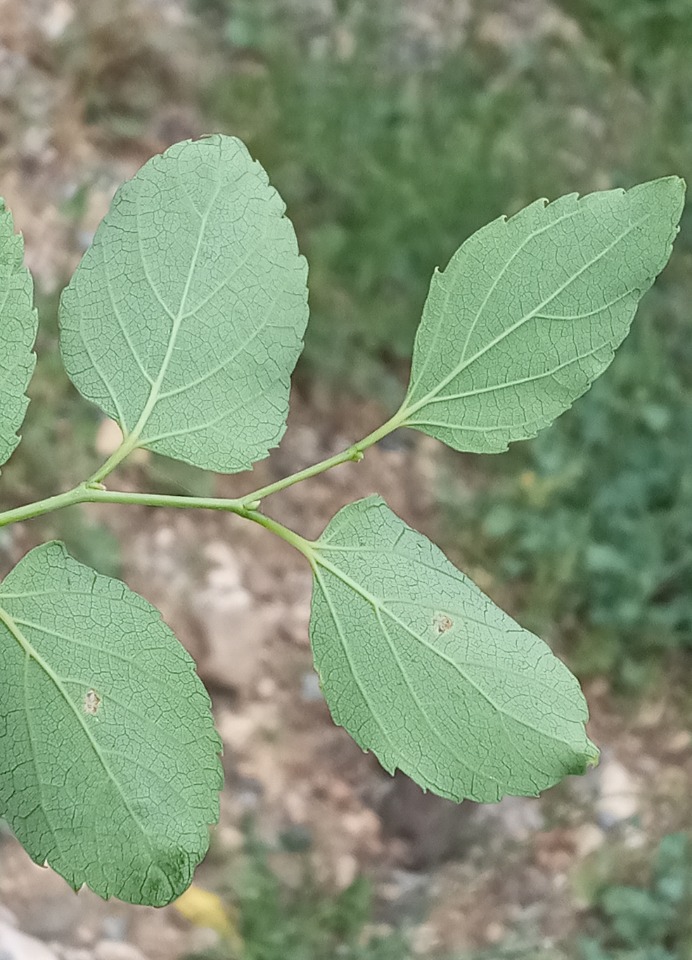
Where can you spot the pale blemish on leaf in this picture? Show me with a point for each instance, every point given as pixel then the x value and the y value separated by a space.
pixel 136 747
pixel 92 702
pixel 469 705
pixel 442 622
pixel 531 309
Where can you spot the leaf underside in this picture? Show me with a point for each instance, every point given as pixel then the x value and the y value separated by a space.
pixel 425 671
pixel 185 318
pixel 109 767
pixel 18 324
pixel 530 310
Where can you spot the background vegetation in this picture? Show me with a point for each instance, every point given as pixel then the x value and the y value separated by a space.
pixel 390 149
pixel 393 135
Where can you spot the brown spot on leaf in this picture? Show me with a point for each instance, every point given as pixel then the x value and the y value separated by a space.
pixel 442 622
pixel 92 702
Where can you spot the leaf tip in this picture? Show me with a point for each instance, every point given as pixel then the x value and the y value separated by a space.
pixel 593 755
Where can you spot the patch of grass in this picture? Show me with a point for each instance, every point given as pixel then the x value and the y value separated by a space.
pixel 593 523
pixel 646 916
pixel 303 922
pixel 648 922
pixel 389 154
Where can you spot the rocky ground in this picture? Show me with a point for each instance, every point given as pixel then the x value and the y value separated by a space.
pixel 459 877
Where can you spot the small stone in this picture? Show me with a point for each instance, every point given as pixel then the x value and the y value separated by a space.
pixel 85 936
pixel 425 939
pixel 7 918
pixel 236 730
pixel 17 946
pixel 651 714
pixel 310 689
pixel 71 953
pixel 294 623
pixel 519 817
pixel 495 933
pixel 587 839
pixel 339 792
pixel 619 798
pixel 57 19
pixel 230 839
pixel 234 630
pixel 365 827
pixel 109 436
pixel 634 838
pixel 202 940
pixel 296 806
pixel 680 742
pixel 114 950
pixel 266 688
pixel 554 850
pixel 345 871
pixel 598 687
pixel 114 927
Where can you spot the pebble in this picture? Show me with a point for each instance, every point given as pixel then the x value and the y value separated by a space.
pixel 495 933
pixel 7 918
pixel 680 742
pixel 17 946
pixel 619 799
pixel 345 871
pixel 310 689
pixel 425 939
pixel 587 839
pixel 114 950
pixel 71 953
pixel 114 927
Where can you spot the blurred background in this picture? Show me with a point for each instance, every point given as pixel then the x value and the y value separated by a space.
pixel 393 130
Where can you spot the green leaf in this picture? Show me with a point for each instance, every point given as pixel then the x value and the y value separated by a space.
pixel 109 767
pixel 424 670
pixel 18 324
pixel 530 310
pixel 185 318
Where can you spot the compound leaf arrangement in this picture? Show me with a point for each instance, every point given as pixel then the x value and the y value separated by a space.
pixel 183 323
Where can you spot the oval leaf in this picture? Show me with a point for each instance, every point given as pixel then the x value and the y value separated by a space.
pixel 18 324
pixel 424 670
pixel 530 310
pixel 185 318
pixel 109 767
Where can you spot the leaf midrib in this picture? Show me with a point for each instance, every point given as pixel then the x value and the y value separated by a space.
pixel 33 654
pixel 347 654
pixel 453 750
pixel 502 221
pixel 465 364
pixel 153 398
pixel 378 605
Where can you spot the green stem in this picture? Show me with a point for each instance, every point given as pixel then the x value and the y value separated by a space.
pixel 306 547
pixel 92 491
pixel 98 495
pixel 115 459
pixel 41 507
pixel 87 493
pixel 353 453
